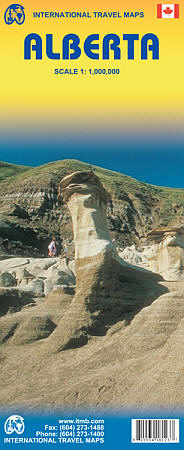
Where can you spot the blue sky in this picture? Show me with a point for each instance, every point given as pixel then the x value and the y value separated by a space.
pixel 153 159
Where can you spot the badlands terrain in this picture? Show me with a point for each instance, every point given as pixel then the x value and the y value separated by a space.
pixel 105 326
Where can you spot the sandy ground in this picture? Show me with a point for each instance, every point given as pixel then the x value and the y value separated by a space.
pixel 136 365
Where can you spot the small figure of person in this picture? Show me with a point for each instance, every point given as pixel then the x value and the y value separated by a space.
pixel 52 248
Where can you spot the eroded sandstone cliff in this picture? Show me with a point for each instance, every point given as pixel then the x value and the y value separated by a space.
pixel 30 212
pixel 118 341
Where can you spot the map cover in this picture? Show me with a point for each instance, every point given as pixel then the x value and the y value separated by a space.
pixel 91 224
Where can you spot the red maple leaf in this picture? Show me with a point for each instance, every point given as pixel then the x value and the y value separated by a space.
pixel 168 10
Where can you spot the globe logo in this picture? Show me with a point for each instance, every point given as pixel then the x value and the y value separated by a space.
pixel 14 13
pixel 14 423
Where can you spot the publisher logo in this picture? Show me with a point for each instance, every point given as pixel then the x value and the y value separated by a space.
pixel 14 424
pixel 14 13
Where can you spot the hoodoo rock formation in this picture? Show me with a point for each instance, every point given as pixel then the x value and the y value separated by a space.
pixel 130 319
pixel 108 290
pixel 87 202
pixel 164 255
pixel 31 213
pixel 167 256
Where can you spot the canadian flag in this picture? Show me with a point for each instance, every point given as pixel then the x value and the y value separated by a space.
pixel 168 11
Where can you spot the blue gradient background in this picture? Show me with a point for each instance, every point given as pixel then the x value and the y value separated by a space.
pixel 132 123
pixel 150 157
